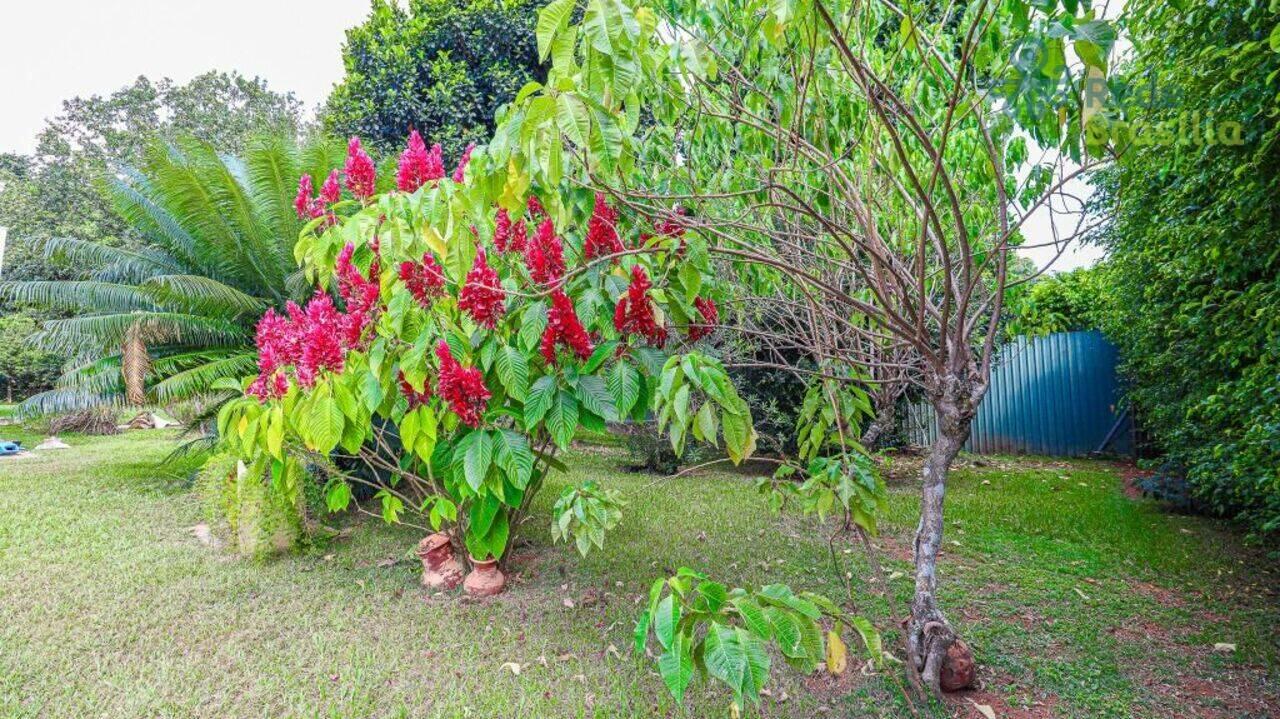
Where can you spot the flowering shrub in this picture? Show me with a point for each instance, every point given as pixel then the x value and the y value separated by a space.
pixel 445 334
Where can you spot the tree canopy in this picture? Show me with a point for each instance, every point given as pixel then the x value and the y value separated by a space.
pixel 442 67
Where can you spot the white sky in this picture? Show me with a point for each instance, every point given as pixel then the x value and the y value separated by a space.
pixel 53 50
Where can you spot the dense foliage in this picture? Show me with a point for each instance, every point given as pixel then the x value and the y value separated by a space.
pixel 442 67
pixel 1064 302
pixel 163 317
pixel 24 369
pixel 1194 247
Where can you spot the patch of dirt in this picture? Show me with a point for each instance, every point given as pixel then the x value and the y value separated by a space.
pixel 1138 630
pixel 996 691
pixel 1241 693
pixel 1129 476
pixel 1166 597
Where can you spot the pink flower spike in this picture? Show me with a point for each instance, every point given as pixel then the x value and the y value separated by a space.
pixel 302 202
pixel 360 173
pixel 459 173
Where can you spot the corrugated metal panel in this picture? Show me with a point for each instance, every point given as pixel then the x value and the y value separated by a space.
pixel 1053 395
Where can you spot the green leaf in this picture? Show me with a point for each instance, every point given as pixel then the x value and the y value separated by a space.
pixel 338 497
pixel 514 456
pixel 541 396
pixel 624 385
pixel 574 118
pixel 665 621
pixel 513 370
pixel 477 460
pixel 324 424
pixel 595 397
pixel 676 666
pixel 725 657
pixel 482 512
pixel 552 19
pixel 562 419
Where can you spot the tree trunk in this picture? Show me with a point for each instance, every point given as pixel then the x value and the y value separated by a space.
pixel 880 426
pixel 929 635
pixel 134 364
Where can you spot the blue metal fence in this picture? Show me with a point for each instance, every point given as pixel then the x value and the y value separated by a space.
pixel 1054 395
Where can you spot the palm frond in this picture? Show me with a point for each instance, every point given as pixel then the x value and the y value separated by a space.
pixel 83 295
pixel 272 169
pixel 98 375
pixel 59 400
pixel 130 197
pixel 202 295
pixel 101 332
pixel 196 381
pixel 114 264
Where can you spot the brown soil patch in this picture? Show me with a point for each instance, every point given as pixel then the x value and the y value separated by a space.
pixel 1244 693
pixel 1166 597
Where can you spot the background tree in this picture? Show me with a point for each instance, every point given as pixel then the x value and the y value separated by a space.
pixel 58 192
pixel 863 138
pixel 1192 278
pixel 166 316
pixel 442 67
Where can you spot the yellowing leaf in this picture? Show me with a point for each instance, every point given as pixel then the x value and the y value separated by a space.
pixel 434 241
pixel 837 654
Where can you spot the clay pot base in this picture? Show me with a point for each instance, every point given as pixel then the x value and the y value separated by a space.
pixel 485 579
pixel 440 569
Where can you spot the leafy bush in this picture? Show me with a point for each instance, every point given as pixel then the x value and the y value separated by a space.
pixel 25 369
pixel 725 633
pixel 476 348
pixel 1065 302
pixel 1193 276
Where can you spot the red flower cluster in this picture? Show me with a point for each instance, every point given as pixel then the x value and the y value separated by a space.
pixel 309 340
pixel 359 295
pixel 602 231
pixel 563 327
pixel 461 170
pixel 416 398
pixel 535 207
pixel 482 296
pixel 673 228
pixel 634 313
pixel 710 315
pixel 425 279
pixel 417 167
pixel 359 171
pixel 462 387
pixel 309 207
pixel 508 235
pixel 544 255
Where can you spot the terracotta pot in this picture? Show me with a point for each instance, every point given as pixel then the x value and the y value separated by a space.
pixel 484 580
pixel 958 669
pixel 440 569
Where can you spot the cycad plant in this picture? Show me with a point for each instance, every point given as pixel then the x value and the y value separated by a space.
pixel 164 318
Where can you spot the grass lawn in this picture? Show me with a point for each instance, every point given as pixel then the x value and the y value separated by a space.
pixel 1078 601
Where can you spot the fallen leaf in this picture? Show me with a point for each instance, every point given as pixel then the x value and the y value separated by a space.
pixel 1082 594
pixel 388 562
pixel 568 602
pixel 515 668
pixel 984 709
pixel 614 651
pixel 837 653
pixel 1224 648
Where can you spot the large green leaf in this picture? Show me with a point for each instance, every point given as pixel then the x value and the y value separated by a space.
pixel 562 419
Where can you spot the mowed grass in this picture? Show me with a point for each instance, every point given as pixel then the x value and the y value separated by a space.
pixel 1077 601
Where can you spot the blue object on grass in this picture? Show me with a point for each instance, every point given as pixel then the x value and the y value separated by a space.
pixel 8 448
